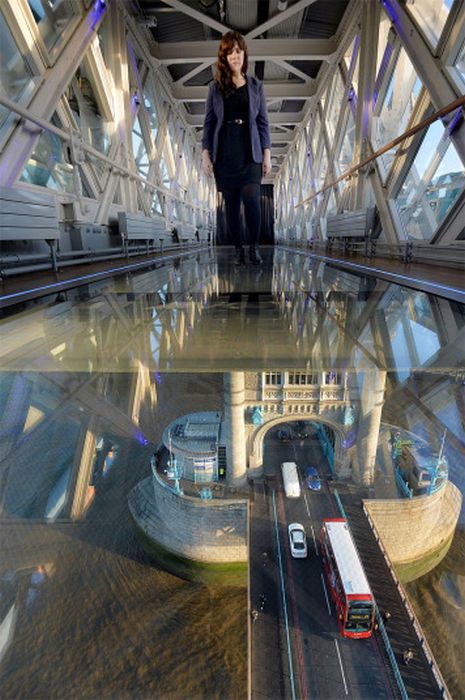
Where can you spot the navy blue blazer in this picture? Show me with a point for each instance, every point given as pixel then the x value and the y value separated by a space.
pixel 258 119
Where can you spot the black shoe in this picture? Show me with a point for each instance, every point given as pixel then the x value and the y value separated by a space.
pixel 239 256
pixel 254 255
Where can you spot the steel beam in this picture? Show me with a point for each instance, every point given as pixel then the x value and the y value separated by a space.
pixel 195 71
pixel 273 91
pixel 291 69
pixel 366 81
pixel 258 50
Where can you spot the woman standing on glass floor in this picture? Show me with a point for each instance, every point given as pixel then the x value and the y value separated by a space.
pixel 236 143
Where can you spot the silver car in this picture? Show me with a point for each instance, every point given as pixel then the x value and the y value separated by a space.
pixel 297 540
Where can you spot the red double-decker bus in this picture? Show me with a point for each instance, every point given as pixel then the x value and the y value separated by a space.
pixel 350 591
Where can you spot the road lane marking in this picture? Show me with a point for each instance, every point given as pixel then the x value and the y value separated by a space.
pixel 311 526
pixel 306 505
pixel 326 593
pixel 283 595
pixel 293 605
pixel 314 541
pixel 340 664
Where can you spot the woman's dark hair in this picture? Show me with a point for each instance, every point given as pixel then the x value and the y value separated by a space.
pixel 223 72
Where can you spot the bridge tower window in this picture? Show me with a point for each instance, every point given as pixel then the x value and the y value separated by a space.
pixel 273 378
pixel 301 378
pixel 332 378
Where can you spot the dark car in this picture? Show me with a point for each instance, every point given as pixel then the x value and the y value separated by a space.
pixel 283 434
pixel 301 430
pixel 312 479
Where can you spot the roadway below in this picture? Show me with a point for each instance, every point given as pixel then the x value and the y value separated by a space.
pixel 297 650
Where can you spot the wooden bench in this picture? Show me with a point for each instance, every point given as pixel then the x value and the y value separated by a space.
pixel 27 216
pixel 349 228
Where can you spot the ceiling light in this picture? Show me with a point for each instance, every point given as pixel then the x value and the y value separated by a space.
pixel 282 5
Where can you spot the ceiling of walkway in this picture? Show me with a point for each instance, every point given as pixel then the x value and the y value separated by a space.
pixel 290 43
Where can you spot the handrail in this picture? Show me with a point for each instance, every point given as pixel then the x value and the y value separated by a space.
pixel 65 136
pixel 459 102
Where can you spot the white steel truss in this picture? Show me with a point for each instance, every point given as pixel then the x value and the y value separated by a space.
pixel 114 137
pixel 421 194
pixel 118 135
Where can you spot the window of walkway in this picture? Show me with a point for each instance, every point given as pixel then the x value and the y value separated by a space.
pixel 83 99
pixel 431 17
pixel 16 78
pixel 54 20
pixel 139 149
pixel 460 62
pixel 433 184
pixel 152 110
pixel 47 166
pixel 394 109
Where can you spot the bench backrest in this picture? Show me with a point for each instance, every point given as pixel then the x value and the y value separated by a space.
pixel 350 224
pixel 139 227
pixel 27 215
pixel 186 231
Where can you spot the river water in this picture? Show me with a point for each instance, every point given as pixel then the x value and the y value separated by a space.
pixel 438 599
pixel 102 621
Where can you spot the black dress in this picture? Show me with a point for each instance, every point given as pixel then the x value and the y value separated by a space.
pixel 235 166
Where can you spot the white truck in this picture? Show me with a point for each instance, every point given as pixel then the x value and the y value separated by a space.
pixel 290 479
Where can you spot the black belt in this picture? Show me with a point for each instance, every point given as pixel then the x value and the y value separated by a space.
pixel 236 121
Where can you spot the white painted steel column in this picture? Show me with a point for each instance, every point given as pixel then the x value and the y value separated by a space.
pixel 367 75
pixel 234 386
pixel 82 466
pixel 368 434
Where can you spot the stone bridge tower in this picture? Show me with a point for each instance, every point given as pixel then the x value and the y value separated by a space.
pixel 330 398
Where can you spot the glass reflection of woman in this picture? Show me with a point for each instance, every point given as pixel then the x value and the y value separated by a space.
pixel 236 143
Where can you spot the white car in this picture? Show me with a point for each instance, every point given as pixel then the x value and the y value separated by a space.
pixel 297 540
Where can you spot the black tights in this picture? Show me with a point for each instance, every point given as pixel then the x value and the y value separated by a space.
pixel 250 195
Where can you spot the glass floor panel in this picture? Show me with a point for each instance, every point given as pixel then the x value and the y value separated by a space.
pixel 90 379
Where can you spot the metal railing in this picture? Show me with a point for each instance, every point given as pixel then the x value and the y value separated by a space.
pixel 13 264
pixel 391 655
pixel 407 251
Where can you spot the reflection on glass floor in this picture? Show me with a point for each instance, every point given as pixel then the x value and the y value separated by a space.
pixel 90 380
pixel 203 314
